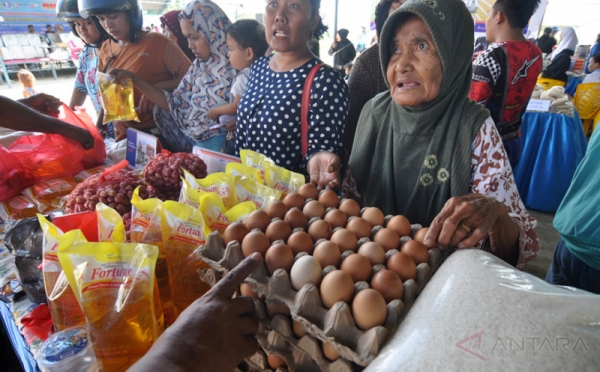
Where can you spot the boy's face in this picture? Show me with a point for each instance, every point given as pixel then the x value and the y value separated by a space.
pixel 490 26
pixel 593 65
pixel 239 57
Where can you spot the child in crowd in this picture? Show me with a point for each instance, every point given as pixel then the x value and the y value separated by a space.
pixel 348 70
pixel 27 81
pixel 246 42
pixel 594 69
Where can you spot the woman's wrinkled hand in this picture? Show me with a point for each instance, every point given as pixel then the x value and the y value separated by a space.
pixel 466 220
pixel 122 74
pixel 324 170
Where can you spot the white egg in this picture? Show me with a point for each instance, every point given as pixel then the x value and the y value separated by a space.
pixel 305 270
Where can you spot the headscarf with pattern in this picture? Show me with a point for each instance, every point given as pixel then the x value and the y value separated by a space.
pixel 207 83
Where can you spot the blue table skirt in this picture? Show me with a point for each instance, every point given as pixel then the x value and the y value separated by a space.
pixel 553 146
pixel 21 349
pixel 571 87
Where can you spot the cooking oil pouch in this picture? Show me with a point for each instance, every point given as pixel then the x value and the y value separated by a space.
pixel 189 195
pixel 84 175
pixel 282 179
pixel 141 214
pixel 64 307
pixel 117 99
pixel 48 194
pixel 240 211
pixel 237 170
pixel 247 189
pixel 255 160
pixel 220 183
pixel 110 224
pixel 114 283
pixel 214 212
pixel 17 208
pixel 184 231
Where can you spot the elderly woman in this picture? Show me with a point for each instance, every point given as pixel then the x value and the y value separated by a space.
pixel 424 150
pixel 182 116
pixel 269 114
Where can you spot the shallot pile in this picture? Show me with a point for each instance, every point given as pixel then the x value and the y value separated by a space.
pixel 163 173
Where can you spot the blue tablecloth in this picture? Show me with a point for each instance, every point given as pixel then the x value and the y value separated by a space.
pixel 21 349
pixel 571 87
pixel 553 146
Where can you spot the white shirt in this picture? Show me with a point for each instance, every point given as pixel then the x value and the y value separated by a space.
pixel 594 77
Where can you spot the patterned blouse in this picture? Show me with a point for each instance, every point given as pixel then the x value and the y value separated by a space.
pixel 491 174
pixel 85 81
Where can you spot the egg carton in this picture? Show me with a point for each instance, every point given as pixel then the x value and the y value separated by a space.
pixel 335 325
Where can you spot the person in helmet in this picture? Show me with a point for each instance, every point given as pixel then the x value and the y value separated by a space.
pixel 151 55
pixel 93 35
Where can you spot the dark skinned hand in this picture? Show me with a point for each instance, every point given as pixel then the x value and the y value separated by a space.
pixel 43 103
pixel 324 170
pixel 232 125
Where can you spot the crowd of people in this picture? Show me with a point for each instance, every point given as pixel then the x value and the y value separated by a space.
pixel 419 129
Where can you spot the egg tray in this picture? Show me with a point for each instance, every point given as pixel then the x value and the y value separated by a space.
pixel 335 325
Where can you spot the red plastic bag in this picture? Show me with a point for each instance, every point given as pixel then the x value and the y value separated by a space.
pixel 95 156
pixel 87 222
pixel 13 177
pixel 39 322
pixel 48 156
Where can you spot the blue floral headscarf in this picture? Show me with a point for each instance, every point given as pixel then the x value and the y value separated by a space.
pixel 207 83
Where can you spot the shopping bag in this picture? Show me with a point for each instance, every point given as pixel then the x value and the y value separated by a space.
pixel 95 156
pixel 13 177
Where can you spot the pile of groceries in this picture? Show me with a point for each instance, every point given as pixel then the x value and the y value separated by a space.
pixel 117 254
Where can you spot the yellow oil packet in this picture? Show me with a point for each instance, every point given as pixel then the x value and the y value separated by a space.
pixel 190 195
pixel 184 231
pixel 247 189
pixel 214 212
pixel 237 170
pixel 255 160
pixel 63 305
pixel 141 213
pixel 114 283
pixel 117 98
pixel 282 179
pixel 220 183
pixel 110 224
pixel 240 211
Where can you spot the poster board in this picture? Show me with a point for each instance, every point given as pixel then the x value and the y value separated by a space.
pixel 18 14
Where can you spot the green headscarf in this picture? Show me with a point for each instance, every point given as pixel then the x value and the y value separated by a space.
pixel 410 161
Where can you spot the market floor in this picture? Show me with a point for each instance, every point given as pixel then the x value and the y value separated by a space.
pixel 63 87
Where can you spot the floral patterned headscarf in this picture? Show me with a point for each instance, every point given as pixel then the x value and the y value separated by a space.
pixel 207 83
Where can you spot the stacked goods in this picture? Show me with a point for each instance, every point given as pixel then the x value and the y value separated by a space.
pixel 561 104
pixel 344 275
pixel 163 173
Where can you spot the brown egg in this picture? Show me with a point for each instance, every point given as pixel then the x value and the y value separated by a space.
pixel 345 239
pixel 300 242
pixel 336 218
pixel 329 352
pixel 246 289
pixel 298 328
pixel 387 238
pixel 403 265
pixel 279 256
pixel 295 218
pixel 374 252
pixel 389 284
pixel 350 207
pixel 235 231
pixel 358 266
pixel 400 225
pixel 417 251
pixel 277 308
pixel 374 216
pixel 319 229
pixel 308 191
pixel 420 235
pixel 277 209
pixel 327 253
pixel 313 209
pixel 278 230
pixel 336 286
pixel 369 309
pixel 294 200
pixel 360 227
pixel 329 199
pixel 258 219
pixel 255 241
pixel 275 361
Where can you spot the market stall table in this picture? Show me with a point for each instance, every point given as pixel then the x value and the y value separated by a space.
pixel 480 314
pixel 553 146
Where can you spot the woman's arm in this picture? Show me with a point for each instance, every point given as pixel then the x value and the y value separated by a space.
pixel 177 64
pixel 228 109
pixel 77 99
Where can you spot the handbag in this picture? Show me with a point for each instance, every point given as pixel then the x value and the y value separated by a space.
pixel 310 79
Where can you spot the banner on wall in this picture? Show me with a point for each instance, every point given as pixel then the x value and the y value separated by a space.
pixel 16 15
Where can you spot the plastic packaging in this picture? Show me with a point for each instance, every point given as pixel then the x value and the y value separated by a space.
pixel 240 211
pixel 220 183
pixel 247 189
pixel 117 99
pixel 110 224
pixel 68 350
pixel 213 210
pixel 189 195
pixel 96 155
pixel 13 177
pixel 114 283
pixel 84 175
pixel 19 207
pixel 255 160
pixel 48 194
pixel 237 170
pixel 282 179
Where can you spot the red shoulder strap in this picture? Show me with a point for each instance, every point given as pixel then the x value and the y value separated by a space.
pixel 306 105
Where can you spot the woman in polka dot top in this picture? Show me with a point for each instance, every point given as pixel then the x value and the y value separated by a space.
pixel 269 113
